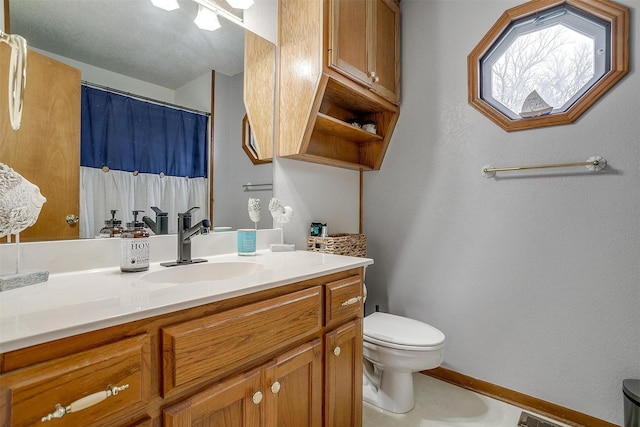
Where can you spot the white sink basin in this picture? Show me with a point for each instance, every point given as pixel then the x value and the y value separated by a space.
pixel 205 272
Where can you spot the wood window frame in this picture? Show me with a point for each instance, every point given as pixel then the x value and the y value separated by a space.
pixel 614 13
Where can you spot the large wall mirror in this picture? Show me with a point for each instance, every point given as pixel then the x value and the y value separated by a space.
pixel 134 48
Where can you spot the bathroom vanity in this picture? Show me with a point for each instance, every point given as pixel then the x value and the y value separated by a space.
pixel 277 344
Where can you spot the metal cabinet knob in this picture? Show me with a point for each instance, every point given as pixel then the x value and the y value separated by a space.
pixel 72 219
pixel 336 351
pixel 257 397
pixel 275 387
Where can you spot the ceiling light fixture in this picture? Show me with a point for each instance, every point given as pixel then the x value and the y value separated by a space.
pixel 166 4
pixel 209 4
pixel 240 4
pixel 206 19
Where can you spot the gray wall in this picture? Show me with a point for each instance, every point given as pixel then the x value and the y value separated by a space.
pixel 534 278
pixel 317 193
pixel 232 167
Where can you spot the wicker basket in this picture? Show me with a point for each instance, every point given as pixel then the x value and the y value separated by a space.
pixel 339 244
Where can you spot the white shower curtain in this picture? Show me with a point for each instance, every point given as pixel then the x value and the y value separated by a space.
pixel 100 192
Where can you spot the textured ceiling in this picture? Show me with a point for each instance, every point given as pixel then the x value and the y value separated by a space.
pixel 130 37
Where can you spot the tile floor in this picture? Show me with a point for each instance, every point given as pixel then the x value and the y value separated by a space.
pixel 440 404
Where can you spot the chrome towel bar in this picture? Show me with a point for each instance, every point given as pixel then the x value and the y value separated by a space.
pixel 257 187
pixel 594 164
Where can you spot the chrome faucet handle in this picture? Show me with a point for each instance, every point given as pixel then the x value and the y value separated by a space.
pixel 158 211
pixel 188 213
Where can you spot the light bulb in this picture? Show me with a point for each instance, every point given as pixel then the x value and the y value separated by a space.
pixel 166 4
pixel 240 4
pixel 206 19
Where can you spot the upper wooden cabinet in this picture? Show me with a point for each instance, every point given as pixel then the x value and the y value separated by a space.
pixel 364 44
pixel 338 64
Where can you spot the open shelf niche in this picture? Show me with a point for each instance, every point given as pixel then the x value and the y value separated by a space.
pixel 334 141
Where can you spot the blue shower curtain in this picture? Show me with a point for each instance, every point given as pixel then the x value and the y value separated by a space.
pixel 127 134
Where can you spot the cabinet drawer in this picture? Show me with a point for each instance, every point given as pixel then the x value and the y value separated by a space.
pixel 209 347
pixel 34 392
pixel 344 299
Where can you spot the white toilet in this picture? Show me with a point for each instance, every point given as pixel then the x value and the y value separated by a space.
pixel 394 348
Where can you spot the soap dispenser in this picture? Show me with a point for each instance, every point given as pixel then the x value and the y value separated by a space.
pixel 134 246
pixel 112 227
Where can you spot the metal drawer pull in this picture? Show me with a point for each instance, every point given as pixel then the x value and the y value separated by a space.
pixel 337 351
pixel 275 387
pixel 85 402
pixel 351 301
pixel 257 397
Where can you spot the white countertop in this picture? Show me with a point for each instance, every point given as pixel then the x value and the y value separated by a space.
pixel 77 302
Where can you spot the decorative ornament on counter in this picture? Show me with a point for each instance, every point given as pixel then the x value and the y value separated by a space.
pixel 20 205
pixel 282 215
pixel 254 211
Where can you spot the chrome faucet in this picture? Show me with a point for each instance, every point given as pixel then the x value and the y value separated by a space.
pixel 161 224
pixel 185 233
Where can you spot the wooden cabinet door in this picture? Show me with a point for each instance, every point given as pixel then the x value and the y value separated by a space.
pixel 293 388
pixel 350 36
pixel 79 383
pixel 46 148
pixel 364 44
pixel 211 346
pixel 343 300
pixel 386 60
pixel 343 375
pixel 236 402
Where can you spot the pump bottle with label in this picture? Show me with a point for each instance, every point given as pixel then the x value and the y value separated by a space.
pixel 134 246
pixel 112 227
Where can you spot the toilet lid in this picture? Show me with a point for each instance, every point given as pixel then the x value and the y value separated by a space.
pixel 401 330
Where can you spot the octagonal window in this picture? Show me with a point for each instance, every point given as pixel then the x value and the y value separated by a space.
pixel 543 63
pixel 548 62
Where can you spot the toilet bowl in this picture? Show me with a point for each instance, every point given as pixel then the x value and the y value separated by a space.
pixel 394 347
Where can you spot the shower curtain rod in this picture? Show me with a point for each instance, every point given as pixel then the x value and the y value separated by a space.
pixel 144 98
